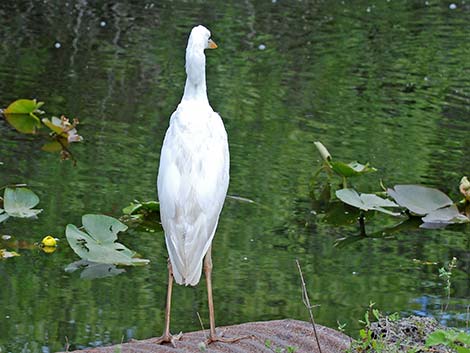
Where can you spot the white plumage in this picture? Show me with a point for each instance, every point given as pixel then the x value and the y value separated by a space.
pixel 193 174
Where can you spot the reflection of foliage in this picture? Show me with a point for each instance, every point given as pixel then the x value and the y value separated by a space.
pixel 92 270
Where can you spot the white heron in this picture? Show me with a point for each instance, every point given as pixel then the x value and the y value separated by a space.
pixel 193 178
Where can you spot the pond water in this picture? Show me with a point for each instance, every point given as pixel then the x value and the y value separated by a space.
pixel 386 82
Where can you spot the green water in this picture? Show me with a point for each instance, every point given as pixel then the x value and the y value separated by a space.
pixel 380 81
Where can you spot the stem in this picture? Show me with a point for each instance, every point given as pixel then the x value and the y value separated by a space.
pixel 362 224
pixel 306 301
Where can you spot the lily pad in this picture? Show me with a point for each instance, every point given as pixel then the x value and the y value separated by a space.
pixel 3 215
pixel 19 202
pixel 23 106
pixel 419 199
pixel 447 215
pixel 366 202
pixel 24 123
pixel 351 169
pixel 98 243
pixel 63 128
pixel 343 169
pixel 55 124
pixel 141 207
pixel 92 270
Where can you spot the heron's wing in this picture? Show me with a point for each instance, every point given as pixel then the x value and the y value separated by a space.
pixel 192 185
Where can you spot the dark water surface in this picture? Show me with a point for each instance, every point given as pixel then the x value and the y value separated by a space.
pixel 380 81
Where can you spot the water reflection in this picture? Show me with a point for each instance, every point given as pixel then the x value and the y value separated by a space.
pixel 384 85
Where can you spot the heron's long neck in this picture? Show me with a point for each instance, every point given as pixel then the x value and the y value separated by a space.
pixel 195 87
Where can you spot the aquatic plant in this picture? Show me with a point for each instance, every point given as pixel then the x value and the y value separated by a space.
pixel 97 241
pixel 435 208
pixel 22 115
pixel 18 202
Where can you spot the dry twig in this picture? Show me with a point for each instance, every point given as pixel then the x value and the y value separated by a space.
pixel 306 301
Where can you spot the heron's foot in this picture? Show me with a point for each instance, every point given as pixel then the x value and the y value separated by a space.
pixel 216 338
pixel 168 338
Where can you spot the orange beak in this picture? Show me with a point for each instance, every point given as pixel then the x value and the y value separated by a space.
pixel 212 44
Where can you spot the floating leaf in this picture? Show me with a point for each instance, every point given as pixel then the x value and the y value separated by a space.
pixel 98 245
pixel 351 169
pixel 323 151
pixel 446 215
pixel 3 215
pixel 54 125
pixel 19 202
pixel 366 202
pixel 24 123
pixel 64 128
pixel 23 106
pixel 4 254
pixel 92 270
pixel 141 207
pixel 419 199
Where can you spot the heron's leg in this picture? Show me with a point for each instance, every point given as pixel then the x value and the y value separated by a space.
pixel 167 337
pixel 212 334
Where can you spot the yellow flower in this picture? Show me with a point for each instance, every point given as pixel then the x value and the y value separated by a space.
pixel 49 241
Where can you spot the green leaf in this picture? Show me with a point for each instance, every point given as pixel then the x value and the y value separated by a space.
pixel 460 349
pixel 436 338
pixel 419 199
pixel 366 202
pixel 3 216
pixel 19 202
pixel 351 169
pixel 98 245
pixel 24 123
pixel 23 106
pixel 446 215
pixel 132 208
pixel 55 125
pixel 323 151
pixel 464 337
pixel 103 228
pixel 141 207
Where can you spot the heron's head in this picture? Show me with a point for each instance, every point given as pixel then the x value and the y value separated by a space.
pixel 199 39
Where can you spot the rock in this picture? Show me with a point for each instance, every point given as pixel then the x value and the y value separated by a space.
pixel 281 334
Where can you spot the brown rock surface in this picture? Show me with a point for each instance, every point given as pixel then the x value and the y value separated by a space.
pixel 281 333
